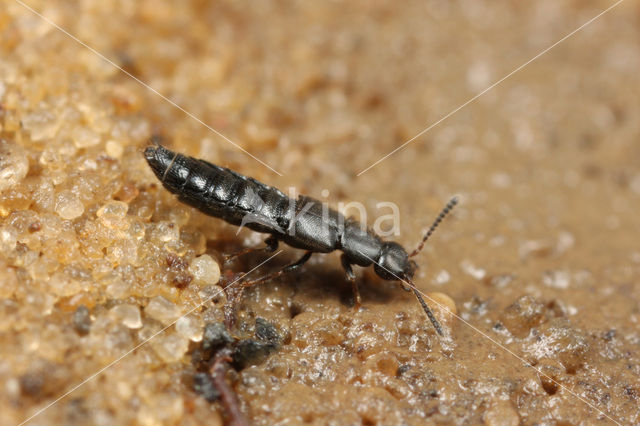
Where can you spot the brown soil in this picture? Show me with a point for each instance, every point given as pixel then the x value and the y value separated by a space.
pixel 541 258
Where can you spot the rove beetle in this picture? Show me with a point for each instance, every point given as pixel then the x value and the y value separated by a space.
pixel 302 223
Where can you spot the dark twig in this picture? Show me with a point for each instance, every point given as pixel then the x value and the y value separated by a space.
pixel 227 395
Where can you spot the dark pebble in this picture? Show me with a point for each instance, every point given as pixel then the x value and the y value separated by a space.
pixel 609 335
pixel 403 369
pixel 31 384
pixel 203 385
pixel 82 320
pixel 215 335
pixel 249 351
pixel 267 332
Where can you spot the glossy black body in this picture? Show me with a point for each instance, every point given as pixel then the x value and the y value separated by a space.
pixel 301 223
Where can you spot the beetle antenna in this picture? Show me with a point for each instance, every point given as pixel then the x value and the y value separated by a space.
pixel 445 211
pixel 426 308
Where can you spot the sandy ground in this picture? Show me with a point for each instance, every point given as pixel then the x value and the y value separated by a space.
pixel 541 259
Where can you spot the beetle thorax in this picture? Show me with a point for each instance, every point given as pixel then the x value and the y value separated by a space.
pixel 393 263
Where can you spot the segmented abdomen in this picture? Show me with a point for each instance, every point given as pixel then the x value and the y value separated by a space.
pixel 223 193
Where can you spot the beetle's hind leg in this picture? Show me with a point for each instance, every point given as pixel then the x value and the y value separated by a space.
pixel 351 276
pixel 234 300
pixel 271 245
pixel 290 267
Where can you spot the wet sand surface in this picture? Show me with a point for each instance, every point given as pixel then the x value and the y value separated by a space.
pixel 540 261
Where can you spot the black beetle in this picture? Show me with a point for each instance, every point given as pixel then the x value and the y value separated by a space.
pixel 302 223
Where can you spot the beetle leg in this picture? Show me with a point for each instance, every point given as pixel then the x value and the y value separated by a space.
pixel 271 246
pixel 236 294
pixel 229 309
pixel 291 267
pixel 351 276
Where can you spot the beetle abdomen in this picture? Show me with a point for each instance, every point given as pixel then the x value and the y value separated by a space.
pixel 220 192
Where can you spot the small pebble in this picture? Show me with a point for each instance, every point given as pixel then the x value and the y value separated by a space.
pixel 8 278
pixel 113 215
pixel 267 332
pixel 162 310
pixel 385 363
pixel 68 205
pixel 41 124
pixel 44 195
pixel 444 308
pixel 179 215
pixel 476 272
pixel 205 270
pixel 114 149
pixel 443 277
pixel 14 165
pixel 8 239
pixel 501 413
pixel 557 279
pixel 203 385
pixel 561 341
pixel 215 335
pixel 190 327
pixel 160 409
pixel 128 315
pixel 165 232
pixel 32 384
pixel 550 373
pixel 171 347
pixel 118 289
pixel 523 315
pixel 251 352
pixel 84 137
pixel 535 248
pixel 12 388
pixel 82 320
pixel 566 241
pixel 63 285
